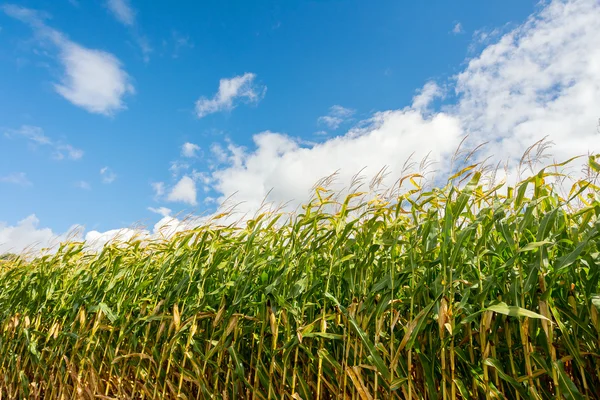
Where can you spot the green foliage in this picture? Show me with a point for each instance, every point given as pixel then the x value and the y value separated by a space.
pixel 457 292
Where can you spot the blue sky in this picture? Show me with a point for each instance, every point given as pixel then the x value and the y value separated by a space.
pixel 266 95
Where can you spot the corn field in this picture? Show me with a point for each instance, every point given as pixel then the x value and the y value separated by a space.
pixel 461 291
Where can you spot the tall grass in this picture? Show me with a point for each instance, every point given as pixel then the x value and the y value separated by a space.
pixel 463 291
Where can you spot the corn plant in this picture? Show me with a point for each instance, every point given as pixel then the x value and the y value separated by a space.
pixel 455 292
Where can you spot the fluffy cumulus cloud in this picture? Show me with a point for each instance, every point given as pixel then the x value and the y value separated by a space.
pixel 166 227
pixel 96 239
pixel 337 116
pixel 184 191
pixel 423 99
pixel 27 236
pixel 92 79
pixel 189 149
pixel 285 170
pixel 36 138
pixel 242 87
pixel 541 79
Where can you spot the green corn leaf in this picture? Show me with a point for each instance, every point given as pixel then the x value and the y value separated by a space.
pixel 377 360
pixel 494 363
pixel 534 245
pixel 514 311
pixel 567 387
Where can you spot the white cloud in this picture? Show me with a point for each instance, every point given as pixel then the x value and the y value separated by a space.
pixel 122 11
pixel 184 191
pixel 281 166
pixel 177 167
pixel 92 79
pixel 95 240
pixel 158 188
pixel 107 175
pixel 35 135
pixel 26 236
pixel 164 211
pixel 337 115
pixel 189 149
pixel 541 79
pixel 218 152
pixel 166 227
pixel 16 178
pixel 458 28
pixel 71 152
pixel 330 122
pixel 83 185
pixel 241 86
pixel 426 95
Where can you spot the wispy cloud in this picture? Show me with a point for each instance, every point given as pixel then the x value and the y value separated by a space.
pixel 83 185
pixel 158 188
pixel 36 137
pixel 180 42
pixel 126 15
pixel 458 28
pixel 33 133
pixel 92 79
pixel 62 151
pixel 107 175
pixel 16 178
pixel 337 116
pixel 238 87
pixel 122 11
pixel 178 166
